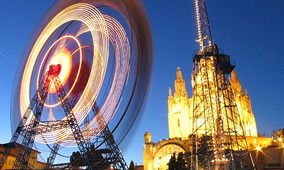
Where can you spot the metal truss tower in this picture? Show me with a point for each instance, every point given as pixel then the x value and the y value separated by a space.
pixel 218 137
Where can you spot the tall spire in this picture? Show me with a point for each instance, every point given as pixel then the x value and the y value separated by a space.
pixel 179 75
pixel 234 76
pixel 246 92
pixel 180 89
pixel 178 109
pixel 236 83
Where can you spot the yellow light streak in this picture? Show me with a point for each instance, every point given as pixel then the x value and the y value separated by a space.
pixel 103 29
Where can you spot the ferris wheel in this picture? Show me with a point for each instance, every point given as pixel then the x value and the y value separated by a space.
pixel 81 80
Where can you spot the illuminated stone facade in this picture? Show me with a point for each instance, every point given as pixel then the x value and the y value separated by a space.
pixel 244 106
pixel 180 108
pixel 157 155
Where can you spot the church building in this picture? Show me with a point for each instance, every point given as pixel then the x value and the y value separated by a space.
pixel 180 111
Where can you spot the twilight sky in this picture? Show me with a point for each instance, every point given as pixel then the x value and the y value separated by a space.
pixel 252 32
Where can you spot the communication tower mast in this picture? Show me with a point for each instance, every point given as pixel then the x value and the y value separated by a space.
pixel 218 137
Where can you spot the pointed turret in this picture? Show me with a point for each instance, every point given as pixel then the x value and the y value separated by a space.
pixel 244 105
pixel 147 137
pixel 234 76
pixel 179 75
pixel 178 107
pixel 180 89
pixel 248 102
pixel 170 98
pixel 246 92
pixel 236 84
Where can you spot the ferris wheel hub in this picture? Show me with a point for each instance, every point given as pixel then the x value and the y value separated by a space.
pixel 56 69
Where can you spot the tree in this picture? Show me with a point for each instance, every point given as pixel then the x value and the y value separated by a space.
pixel 172 162
pixel 179 163
pixel 76 159
pixel 131 166
pixel 205 151
pixel 279 133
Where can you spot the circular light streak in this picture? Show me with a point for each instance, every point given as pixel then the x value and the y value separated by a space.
pixel 130 68
pixel 103 29
pixel 64 58
pixel 95 22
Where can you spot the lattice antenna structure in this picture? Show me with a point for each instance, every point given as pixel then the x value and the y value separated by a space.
pixel 218 137
pixel 31 130
pixel 203 27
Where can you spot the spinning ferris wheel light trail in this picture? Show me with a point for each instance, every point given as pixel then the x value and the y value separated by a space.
pixel 82 78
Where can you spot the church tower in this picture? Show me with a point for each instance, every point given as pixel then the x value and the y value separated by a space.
pixel 179 109
pixel 244 106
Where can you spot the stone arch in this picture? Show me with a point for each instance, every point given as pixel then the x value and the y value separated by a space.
pixel 164 153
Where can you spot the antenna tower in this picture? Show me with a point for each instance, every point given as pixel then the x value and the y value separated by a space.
pixel 218 137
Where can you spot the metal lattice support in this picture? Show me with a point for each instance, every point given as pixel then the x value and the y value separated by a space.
pixel 18 131
pixel 50 126
pixel 114 157
pixel 55 126
pixel 204 31
pixel 29 131
pixel 29 134
pixel 218 136
pixel 52 155
pixel 234 130
pixel 208 136
pixel 67 107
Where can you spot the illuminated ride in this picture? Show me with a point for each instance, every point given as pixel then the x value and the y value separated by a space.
pixel 218 137
pixel 81 81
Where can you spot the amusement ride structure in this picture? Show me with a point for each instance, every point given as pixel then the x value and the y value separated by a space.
pixel 218 136
pixel 81 82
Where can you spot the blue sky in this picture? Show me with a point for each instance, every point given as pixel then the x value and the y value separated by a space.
pixel 250 31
